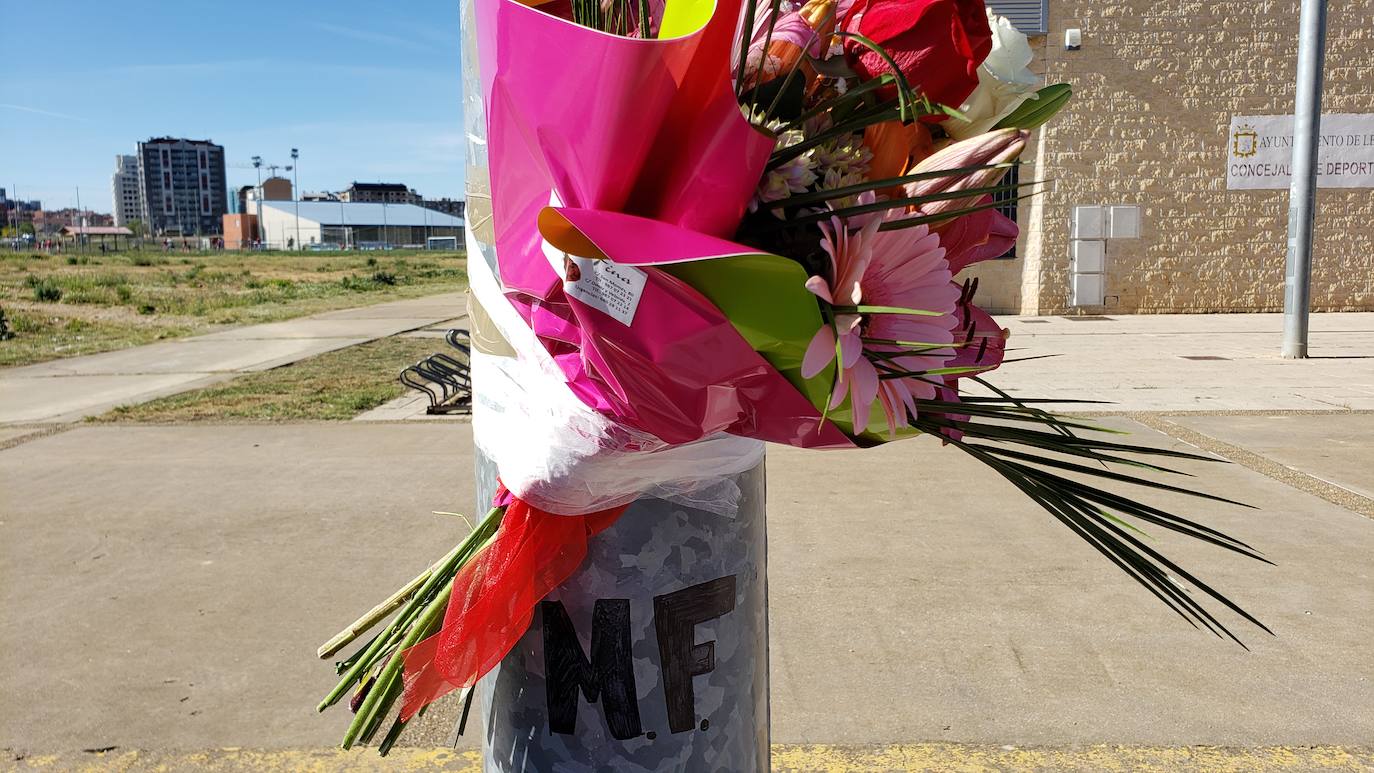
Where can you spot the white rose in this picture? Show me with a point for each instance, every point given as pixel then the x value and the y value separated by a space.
pixel 1004 82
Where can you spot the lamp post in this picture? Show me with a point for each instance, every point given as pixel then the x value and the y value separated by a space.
pixel 257 201
pixel 343 224
pixel 296 192
pixel 1302 191
pixel 80 231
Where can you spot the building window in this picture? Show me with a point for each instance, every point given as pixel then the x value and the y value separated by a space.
pixel 166 179
pixel 1006 203
pixel 167 205
pixel 202 159
pixel 205 204
pixel 166 156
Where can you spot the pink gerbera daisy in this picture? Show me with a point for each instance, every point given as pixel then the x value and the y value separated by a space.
pixel 903 268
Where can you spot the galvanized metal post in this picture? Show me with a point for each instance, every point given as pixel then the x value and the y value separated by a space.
pixel 1302 192
pixel 652 656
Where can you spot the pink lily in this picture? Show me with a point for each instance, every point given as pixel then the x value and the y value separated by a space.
pixel 998 147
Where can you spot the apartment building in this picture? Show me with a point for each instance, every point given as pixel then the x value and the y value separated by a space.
pixel 126 202
pixel 182 184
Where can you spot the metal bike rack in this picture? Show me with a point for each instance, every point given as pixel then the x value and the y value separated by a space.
pixel 444 378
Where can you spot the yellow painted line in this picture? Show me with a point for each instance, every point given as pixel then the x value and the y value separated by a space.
pixel 276 761
pixel 787 758
pixel 964 758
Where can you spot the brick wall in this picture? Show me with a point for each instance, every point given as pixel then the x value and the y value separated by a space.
pixel 1155 86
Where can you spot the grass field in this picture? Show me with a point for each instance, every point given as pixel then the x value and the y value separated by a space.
pixel 336 385
pixel 69 304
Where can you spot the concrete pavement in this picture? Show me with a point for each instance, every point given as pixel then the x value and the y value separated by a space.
pixel 73 388
pixel 1192 362
pixel 1333 448
pixel 173 583
pixel 1163 363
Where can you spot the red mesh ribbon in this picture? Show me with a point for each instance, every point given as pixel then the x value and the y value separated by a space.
pixel 494 596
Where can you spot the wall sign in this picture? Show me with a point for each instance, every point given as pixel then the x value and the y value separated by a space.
pixel 1259 153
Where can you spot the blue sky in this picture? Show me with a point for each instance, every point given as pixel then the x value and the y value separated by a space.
pixel 368 91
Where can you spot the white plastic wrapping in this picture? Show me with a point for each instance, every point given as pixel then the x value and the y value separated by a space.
pixel 554 452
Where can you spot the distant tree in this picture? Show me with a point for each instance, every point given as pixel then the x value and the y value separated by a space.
pixel 135 226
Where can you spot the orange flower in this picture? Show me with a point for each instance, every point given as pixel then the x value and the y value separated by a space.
pixel 896 147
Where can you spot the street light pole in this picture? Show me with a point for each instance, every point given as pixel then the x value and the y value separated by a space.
pixel 296 190
pixel 79 224
pixel 343 224
pixel 1302 192
pixel 257 202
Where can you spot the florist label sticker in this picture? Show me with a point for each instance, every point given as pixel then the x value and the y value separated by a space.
pixel 604 285
pixel 1259 153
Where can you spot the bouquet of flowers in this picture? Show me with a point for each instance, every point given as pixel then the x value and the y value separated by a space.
pixel 725 223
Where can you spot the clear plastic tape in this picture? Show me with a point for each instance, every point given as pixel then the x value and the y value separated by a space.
pixel 561 456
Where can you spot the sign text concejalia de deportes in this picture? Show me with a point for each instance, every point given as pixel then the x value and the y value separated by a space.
pixel 1259 153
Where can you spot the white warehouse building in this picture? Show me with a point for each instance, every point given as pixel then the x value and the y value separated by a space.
pixel 343 224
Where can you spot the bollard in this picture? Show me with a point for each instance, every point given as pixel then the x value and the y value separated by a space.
pixel 653 655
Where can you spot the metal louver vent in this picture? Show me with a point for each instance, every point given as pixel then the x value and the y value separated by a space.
pixel 1031 17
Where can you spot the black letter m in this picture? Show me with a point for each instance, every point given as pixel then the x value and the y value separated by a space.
pixel 609 672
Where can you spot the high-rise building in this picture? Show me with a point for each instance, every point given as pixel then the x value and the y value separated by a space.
pixel 127 204
pixel 182 185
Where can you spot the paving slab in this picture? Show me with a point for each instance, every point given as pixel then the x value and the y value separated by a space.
pixel 1338 449
pixel 1192 362
pixel 980 619
pixel 191 356
pixel 62 400
pixel 187 576
pixel 173 583
pixel 411 406
pixel 439 333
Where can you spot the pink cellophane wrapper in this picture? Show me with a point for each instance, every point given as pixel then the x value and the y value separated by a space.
pixel 642 143
pixel 637 147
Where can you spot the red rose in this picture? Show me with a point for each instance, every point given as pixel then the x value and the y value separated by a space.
pixel 937 44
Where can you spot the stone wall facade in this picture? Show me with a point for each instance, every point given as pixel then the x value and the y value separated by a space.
pixel 1155 85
